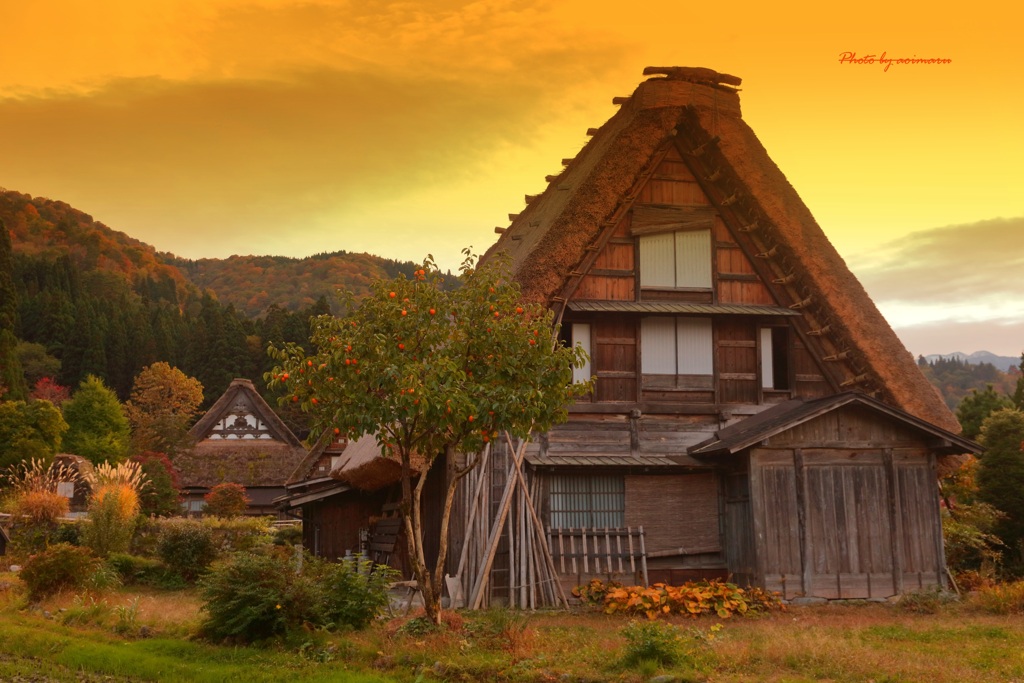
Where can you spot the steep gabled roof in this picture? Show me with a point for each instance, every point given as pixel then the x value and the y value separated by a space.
pixel 241 440
pixel 241 398
pixel 696 112
pixel 784 416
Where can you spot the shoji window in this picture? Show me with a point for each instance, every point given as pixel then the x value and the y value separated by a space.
pixel 679 259
pixel 581 337
pixel 676 346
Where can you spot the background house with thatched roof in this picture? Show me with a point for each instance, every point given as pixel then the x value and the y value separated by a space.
pixel 754 413
pixel 239 440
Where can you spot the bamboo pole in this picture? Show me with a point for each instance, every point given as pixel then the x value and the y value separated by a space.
pixel 495 536
pixel 469 534
pixel 513 571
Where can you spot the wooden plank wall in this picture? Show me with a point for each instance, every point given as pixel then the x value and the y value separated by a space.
pixel 776 516
pixel 614 358
pixel 333 524
pixel 738 528
pixel 737 361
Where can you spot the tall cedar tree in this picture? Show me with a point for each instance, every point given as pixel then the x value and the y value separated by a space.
pixel 12 379
pixel 1018 393
pixel 433 373
pixel 1000 475
pixel 97 427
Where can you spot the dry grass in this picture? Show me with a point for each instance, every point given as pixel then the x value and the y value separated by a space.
pixel 173 613
pixel 854 643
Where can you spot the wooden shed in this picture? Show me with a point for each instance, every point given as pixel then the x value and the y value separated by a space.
pixel 343 490
pixel 834 497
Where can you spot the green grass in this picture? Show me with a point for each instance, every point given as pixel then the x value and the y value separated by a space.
pixel 30 645
pixel 959 643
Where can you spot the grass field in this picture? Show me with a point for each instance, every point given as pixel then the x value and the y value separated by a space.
pixel 128 635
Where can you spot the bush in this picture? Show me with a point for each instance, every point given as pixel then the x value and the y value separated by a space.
pixel 111 522
pixel 251 598
pixel 288 535
pixel 40 507
pixel 652 641
pixel 113 507
pixel 58 567
pixel 226 500
pixel 162 497
pixel 186 547
pixel 354 591
pixel 691 599
pixel 1006 598
pixel 134 569
pixel 237 534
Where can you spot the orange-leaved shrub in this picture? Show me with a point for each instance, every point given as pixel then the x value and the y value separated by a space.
pixel 226 500
pixel 692 599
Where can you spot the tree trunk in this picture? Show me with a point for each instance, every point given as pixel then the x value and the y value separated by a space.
pixel 430 586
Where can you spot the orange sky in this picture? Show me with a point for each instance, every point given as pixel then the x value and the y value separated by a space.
pixel 214 127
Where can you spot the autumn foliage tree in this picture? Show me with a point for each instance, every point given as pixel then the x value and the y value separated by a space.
pixel 433 372
pixel 163 402
pixel 226 500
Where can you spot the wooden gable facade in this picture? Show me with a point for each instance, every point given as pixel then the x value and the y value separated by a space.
pixel 239 440
pixel 673 249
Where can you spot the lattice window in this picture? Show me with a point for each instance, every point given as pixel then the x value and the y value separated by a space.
pixel 587 501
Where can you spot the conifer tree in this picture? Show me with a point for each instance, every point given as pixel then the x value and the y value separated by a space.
pixel 12 379
pixel 1001 475
pixel 97 426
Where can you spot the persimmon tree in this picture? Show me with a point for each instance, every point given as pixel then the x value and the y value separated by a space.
pixel 432 373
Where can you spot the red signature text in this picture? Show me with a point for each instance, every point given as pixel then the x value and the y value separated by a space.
pixel 885 61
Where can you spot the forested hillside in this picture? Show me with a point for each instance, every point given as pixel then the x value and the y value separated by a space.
pixel 955 377
pixel 86 299
pixel 253 283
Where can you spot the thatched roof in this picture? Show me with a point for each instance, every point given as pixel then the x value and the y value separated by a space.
pixel 240 440
pixel 363 466
pixel 555 239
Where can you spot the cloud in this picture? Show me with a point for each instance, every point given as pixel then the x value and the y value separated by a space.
pixel 954 288
pixel 226 160
pixel 968 271
pixel 270 126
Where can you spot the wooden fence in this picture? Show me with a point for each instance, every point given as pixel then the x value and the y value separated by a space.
pixel 579 552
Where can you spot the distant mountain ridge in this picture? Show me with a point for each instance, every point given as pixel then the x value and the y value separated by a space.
pixel 46 228
pixel 1004 363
